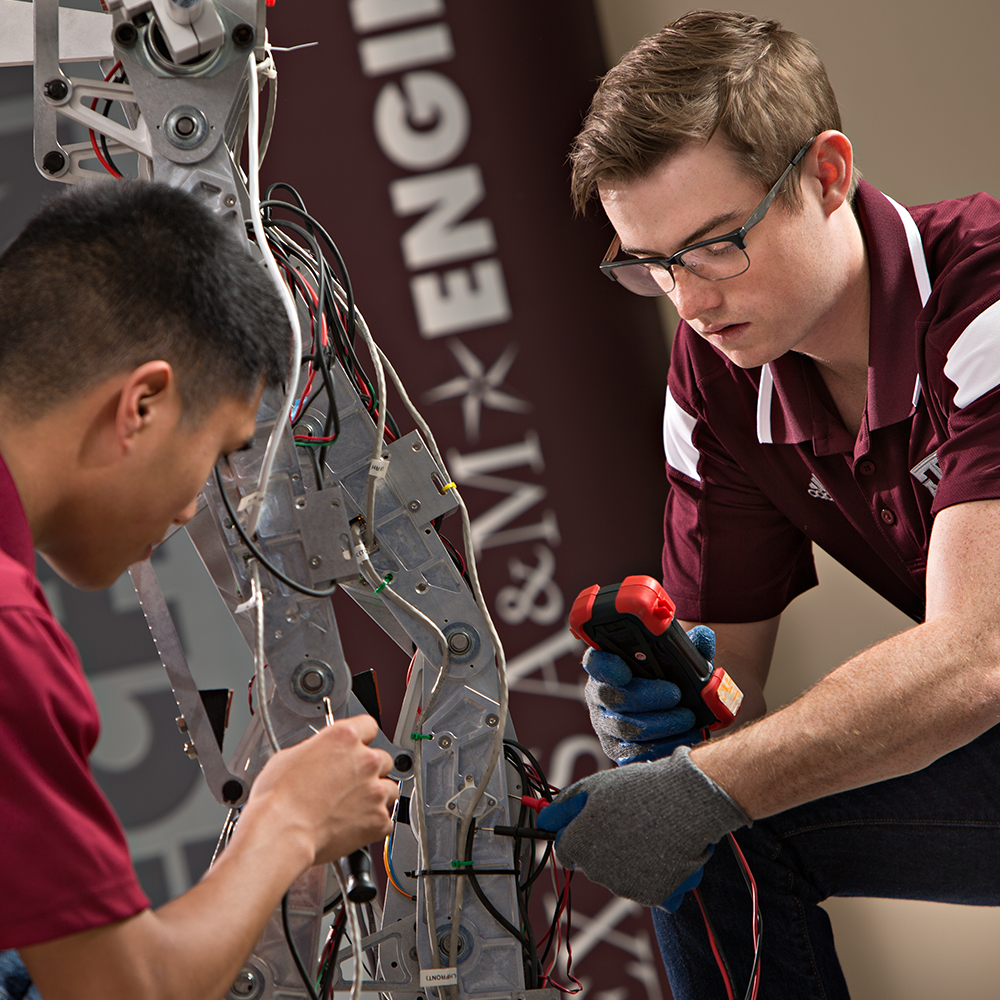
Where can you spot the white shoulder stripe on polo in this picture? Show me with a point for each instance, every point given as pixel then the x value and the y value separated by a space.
pixel 678 439
pixel 974 359
pixel 764 406
pixel 917 255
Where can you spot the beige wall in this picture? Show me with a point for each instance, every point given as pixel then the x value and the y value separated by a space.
pixel 918 88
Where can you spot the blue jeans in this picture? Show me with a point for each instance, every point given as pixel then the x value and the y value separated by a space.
pixel 15 984
pixel 932 835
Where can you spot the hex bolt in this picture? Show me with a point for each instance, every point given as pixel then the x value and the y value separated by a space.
pixel 53 162
pixel 126 35
pixel 56 90
pixel 243 36
pixel 492 721
pixel 403 763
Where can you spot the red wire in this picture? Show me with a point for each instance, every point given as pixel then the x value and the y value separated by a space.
pixel 756 913
pixel 715 946
pixel 93 136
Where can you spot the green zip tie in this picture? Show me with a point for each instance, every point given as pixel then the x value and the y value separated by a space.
pixel 421 736
pixel 382 585
pixel 461 864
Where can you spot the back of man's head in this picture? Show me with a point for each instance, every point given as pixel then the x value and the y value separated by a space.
pixel 109 276
pixel 760 89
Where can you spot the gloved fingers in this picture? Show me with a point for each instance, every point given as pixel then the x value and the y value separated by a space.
pixel 672 903
pixel 606 667
pixel 703 639
pixel 645 726
pixel 639 695
pixel 637 752
pixel 561 813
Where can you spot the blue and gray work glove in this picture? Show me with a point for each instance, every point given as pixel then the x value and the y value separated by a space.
pixel 643 830
pixel 636 718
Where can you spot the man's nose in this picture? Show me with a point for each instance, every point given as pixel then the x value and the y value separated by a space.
pixel 185 515
pixel 694 296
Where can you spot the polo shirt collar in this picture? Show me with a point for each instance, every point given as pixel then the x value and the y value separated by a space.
pixel 15 535
pixel 793 406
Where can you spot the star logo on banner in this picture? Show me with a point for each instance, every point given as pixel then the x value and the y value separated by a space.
pixel 478 386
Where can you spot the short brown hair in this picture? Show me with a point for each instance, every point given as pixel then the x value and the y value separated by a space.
pixel 761 88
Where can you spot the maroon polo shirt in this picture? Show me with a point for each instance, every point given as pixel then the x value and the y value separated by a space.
pixel 760 464
pixel 64 861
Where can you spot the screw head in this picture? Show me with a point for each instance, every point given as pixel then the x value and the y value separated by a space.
pixel 126 35
pixel 403 762
pixel 316 562
pixel 232 790
pixel 243 36
pixel 414 505
pixel 244 985
pixel 53 162
pixel 56 90
pixel 189 749
pixel 230 202
pixel 312 681
pixel 492 721
pixel 459 641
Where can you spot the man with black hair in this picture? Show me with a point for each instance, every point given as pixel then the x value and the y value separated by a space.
pixel 834 379
pixel 136 338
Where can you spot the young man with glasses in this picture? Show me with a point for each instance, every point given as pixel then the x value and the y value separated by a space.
pixel 835 379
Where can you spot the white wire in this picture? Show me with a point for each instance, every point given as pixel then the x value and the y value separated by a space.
pixel 501 661
pixel 274 440
pixel 355 924
pixel 257 599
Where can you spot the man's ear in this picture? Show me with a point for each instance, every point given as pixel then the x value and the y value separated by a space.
pixel 831 163
pixel 147 396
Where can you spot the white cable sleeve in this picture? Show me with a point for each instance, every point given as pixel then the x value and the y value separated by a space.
pixel 274 441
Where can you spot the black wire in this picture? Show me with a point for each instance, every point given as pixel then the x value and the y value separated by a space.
pixel 121 78
pixel 260 557
pixel 760 921
pixel 526 943
pixel 345 279
pixel 296 958
pixel 544 785
pixel 715 937
pixel 326 980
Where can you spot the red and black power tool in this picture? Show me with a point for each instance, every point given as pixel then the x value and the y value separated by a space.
pixel 635 620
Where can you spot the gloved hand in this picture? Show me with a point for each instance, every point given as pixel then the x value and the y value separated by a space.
pixel 638 719
pixel 643 830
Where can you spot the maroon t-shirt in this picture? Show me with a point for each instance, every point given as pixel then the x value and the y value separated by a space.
pixel 64 861
pixel 760 464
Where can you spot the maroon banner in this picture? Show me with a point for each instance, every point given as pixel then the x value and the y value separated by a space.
pixel 431 142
